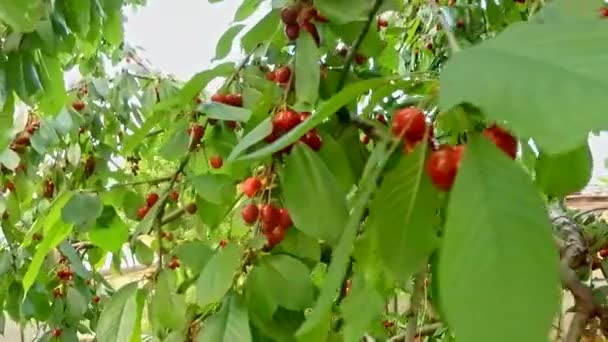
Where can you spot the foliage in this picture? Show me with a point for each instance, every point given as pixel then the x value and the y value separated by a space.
pixel 360 150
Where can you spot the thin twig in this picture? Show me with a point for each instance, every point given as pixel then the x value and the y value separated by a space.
pixel 417 298
pixel 425 330
pixel 238 69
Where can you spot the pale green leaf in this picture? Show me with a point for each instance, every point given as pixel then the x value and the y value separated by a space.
pixel 215 188
pixel 360 308
pixel 111 232
pixel 224 44
pixel 118 318
pixel 337 162
pixel 76 304
pixel 254 136
pixel 315 201
pixel 562 174
pixel 307 70
pixel 9 159
pixel 230 324
pixel 82 209
pixel 194 255
pixel 22 15
pixel 495 255
pixel 216 278
pixel 525 76
pixel 261 32
pixel 246 9
pixel 222 111
pixel 169 308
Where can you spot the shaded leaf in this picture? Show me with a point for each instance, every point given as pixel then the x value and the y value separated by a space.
pixel 216 278
pixel 230 324
pixel 220 111
pixel 307 69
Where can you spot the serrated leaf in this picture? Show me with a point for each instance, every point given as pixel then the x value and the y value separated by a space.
pixel 256 135
pixel 315 201
pixel 76 304
pixel 513 74
pixel 261 31
pixel 222 111
pixel 287 281
pixel 216 278
pixel 224 44
pixel 246 9
pixel 82 209
pixel 491 251
pixel 118 318
pixel 307 68
pixel 230 324
pixel 215 188
pixel 403 216
pixel 169 308
pixel 562 174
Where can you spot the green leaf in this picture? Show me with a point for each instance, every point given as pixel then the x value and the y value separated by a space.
pixel 344 97
pixel 261 32
pixel 118 319
pixel 143 253
pixel 77 15
pixel 356 320
pixel 224 44
pixel 177 145
pixel 169 308
pixel 230 324
pixel 307 70
pixel 256 135
pixel 300 245
pixel 4 86
pixel 111 232
pixel 491 252
pixel 337 162
pixel 82 209
pixel 51 75
pixel 44 223
pixel 315 201
pixel 53 236
pixel 344 11
pixel 76 264
pixel 194 255
pixel 403 216
pixel 246 9
pixel 561 174
pixel 33 84
pixel 215 188
pixel 21 15
pixel 133 140
pixel 221 111
pixel 513 74
pixel 9 159
pixel 216 278
pixel 76 304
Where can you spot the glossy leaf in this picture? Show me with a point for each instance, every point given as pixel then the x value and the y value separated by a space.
pixel 492 250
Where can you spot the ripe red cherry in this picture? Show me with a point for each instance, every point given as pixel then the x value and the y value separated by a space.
pixel 409 123
pixel 174 195
pixel 360 59
pixel 9 185
pixel 273 238
pixel 604 252
pixel 502 139
pixel 89 166
pixel 442 166
pixel 250 213
pixel 56 332
pixel 382 119
pixel 49 189
pixel 312 29
pixel 142 212
pixel 271 76
pixel 381 23
pixel 429 45
pixel 460 23
pixel 78 105
pixel 270 214
pixel 313 140
pixel 151 199
pixel 604 12
pixel 191 208
pixel 223 243
pixel 365 139
pixel 235 100
pixel 23 140
pixel 216 162
pixel 221 98
pixel 196 132
pixel 174 263
pixel 284 219
pixel 289 15
pixel 292 31
pixel 282 74
pixel 285 120
pixel 251 186
pixel 96 299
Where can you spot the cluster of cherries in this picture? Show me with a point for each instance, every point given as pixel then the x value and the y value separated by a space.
pixel 65 274
pixel 286 120
pixel 444 162
pixel 151 200
pixel 196 132
pixel 22 140
pixel 280 76
pixel 235 100
pixel 300 17
pixel 274 221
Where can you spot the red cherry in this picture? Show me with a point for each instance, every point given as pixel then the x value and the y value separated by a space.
pixel 409 123
pixel 348 284
pixel 23 140
pixel 365 139
pixel 313 140
pixel 196 132
pixel 89 166
pixel 216 162
pixel 360 59
pixel 304 116
pixel 231 124
pixel 382 119
pixel 191 208
pixel 270 214
pixel 285 120
pixel 320 18
pixel 429 45
pixel 49 189
pixel 502 139
pixel 289 15
pixel 78 105
pixel 235 100
pixel 142 212
pixel 56 332
pixel 604 252
pixel 388 324
pixel 442 166
pixel 604 12
pixel 453 2
pixel 381 23
pixel 250 213
pixel 308 14
pixel 251 186
pixel 274 238
pixel 292 31
pixel 274 135
pixel 460 23
pixel 596 264
pixel 223 243
pixel 174 195
pixel 312 29
pixel 221 98
pixel 282 74
pixel 271 76
pixel 9 186
pixel 96 299
pixel 174 263
pixel 151 199
pixel 284 219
